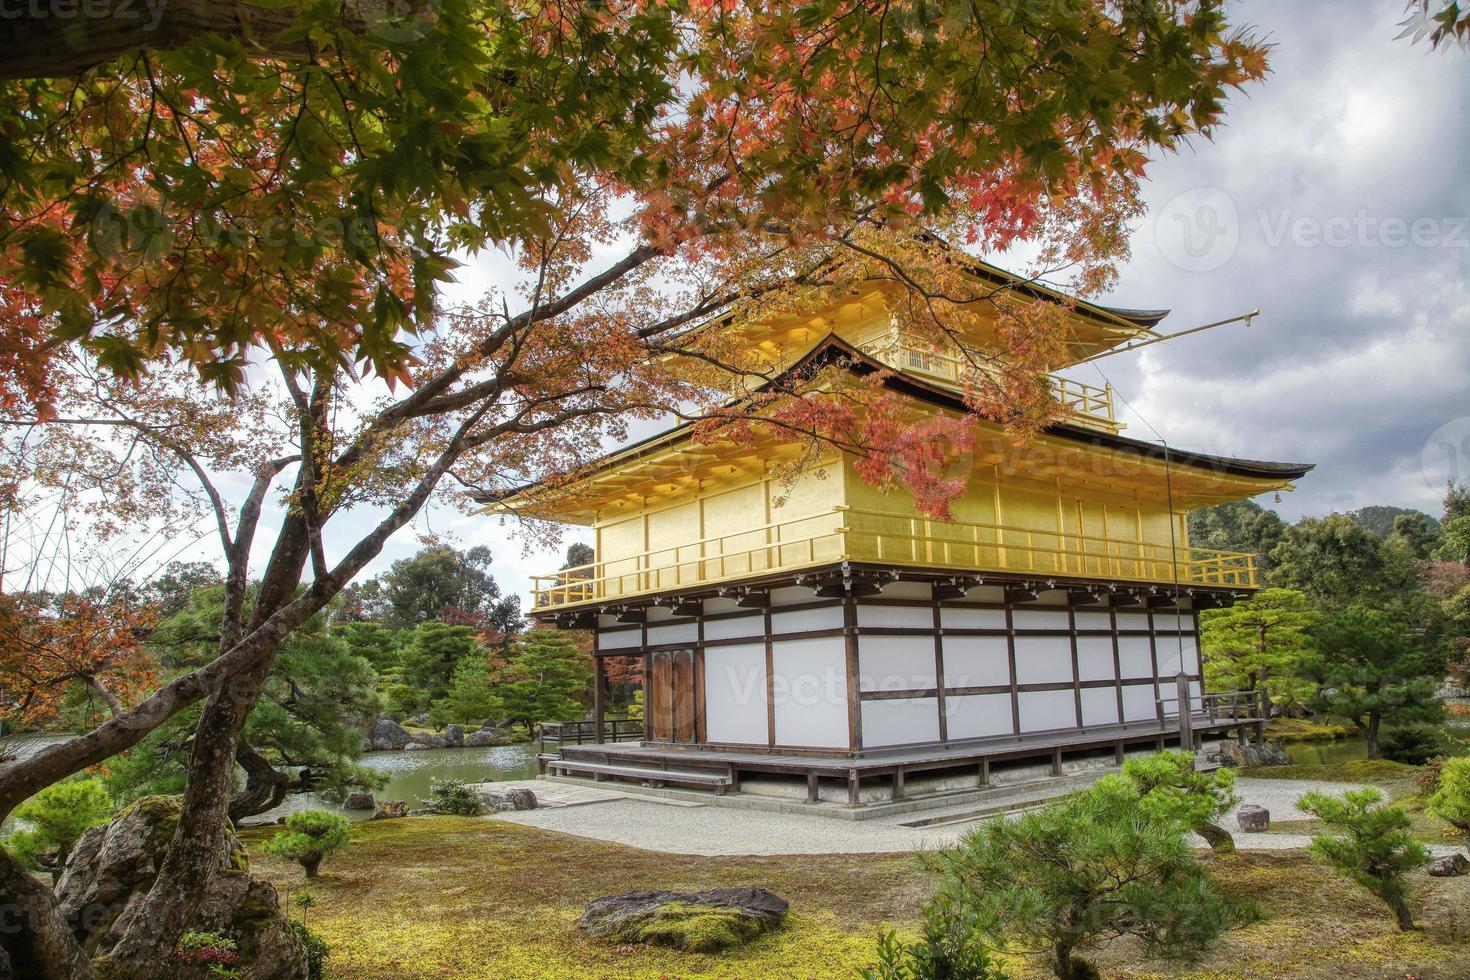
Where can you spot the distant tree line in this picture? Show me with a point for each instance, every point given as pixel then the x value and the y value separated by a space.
pixel 1364 616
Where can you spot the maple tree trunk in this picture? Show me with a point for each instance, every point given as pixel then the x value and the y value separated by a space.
pixel 54 39
pixel 35 941
pixel 193 853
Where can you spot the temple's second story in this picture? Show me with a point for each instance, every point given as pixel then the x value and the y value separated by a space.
pixel 1078 503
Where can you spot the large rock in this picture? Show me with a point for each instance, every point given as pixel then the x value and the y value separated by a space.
pixel 388 735
pixel 700 922
pixel 112 868
pixel 390 810
pixel 499 801
pixel 1449 866
pixel 1238 756
pixel 484 737
pixel 359 801
pixel 453 736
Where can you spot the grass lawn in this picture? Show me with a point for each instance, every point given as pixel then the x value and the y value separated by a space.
pixel 472 898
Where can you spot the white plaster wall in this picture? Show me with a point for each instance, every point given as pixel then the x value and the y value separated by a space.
pixel 1043 659
pixel 1099 706
pixel 953 618
pixel 735 693
pixel 976 661
pixel 896 663
pixel 1045 710
pixel 900 721
pixel 895 617
pixel 1095 658
pixel 729 629
pixel 1191 654
pixel 673 633
pixel 977 715
pixel 802 620
pixel 1138 702
pixel 620 640
pixel 1094 619
pixel 1030 618
pixel 1134 656
pixel 810 684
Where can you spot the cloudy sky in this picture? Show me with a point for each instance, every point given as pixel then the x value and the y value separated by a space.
pixel 1336 202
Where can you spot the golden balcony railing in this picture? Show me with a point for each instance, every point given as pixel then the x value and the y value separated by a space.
pixel 1086 404
pixel 850 534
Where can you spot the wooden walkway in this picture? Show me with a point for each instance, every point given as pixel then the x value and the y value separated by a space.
pixel 644 762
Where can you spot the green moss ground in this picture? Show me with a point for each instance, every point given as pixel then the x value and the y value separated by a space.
pixel 1306 730
pixel 432 897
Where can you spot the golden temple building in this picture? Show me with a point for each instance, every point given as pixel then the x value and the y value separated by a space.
pixel 824 629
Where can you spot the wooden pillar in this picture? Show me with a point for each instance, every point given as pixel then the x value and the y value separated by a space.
pixel 1186 714
pixel 853 782
pixel 984 773
pixel 1056 761
pixel 599 684
pixel 1118 753
pixel 897 793
pixel 812 793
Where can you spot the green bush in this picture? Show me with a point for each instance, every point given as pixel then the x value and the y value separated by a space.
pixel 316 947
pixel 449 795
pixel 1450 800
pixel 310 836
pixel 1174 790
pixel 952 947
pixel 1372 846
pixel 1085 868
pixel 58 816
pixel 1415 745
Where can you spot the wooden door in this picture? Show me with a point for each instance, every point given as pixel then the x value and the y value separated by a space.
pixel 671 696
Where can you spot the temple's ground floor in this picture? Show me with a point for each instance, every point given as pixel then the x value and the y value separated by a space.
pixel 489 898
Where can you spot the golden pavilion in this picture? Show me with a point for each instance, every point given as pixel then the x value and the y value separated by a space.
pixel 825 629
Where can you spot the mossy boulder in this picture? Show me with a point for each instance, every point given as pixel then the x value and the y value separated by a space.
pixel 698 922
pixel 112 868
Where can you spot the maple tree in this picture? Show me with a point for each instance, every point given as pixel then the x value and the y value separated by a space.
pixel 47 647
pixel 232 250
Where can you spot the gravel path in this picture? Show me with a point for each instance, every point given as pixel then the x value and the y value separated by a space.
pixel 712 830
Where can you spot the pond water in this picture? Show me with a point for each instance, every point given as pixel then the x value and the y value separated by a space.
pixel 408 772
pixel 1352 749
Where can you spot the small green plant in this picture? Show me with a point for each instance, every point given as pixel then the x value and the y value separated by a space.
pixel 305 900
pixel 1173 789
pixel 1450 800
pixel 310 836
pixel 58 816
pixel 1372 846
pixel 951 947
pixel 316 948
pixel 449 795
pixel 219 953
pixel 1088 867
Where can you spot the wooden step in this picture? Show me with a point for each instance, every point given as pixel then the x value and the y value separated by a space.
pixel 654 777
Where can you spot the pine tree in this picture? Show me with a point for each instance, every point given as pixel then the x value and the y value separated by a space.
pixel 1372 844
pixel 547 678
pixel 1259 644
pixel 1088 867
